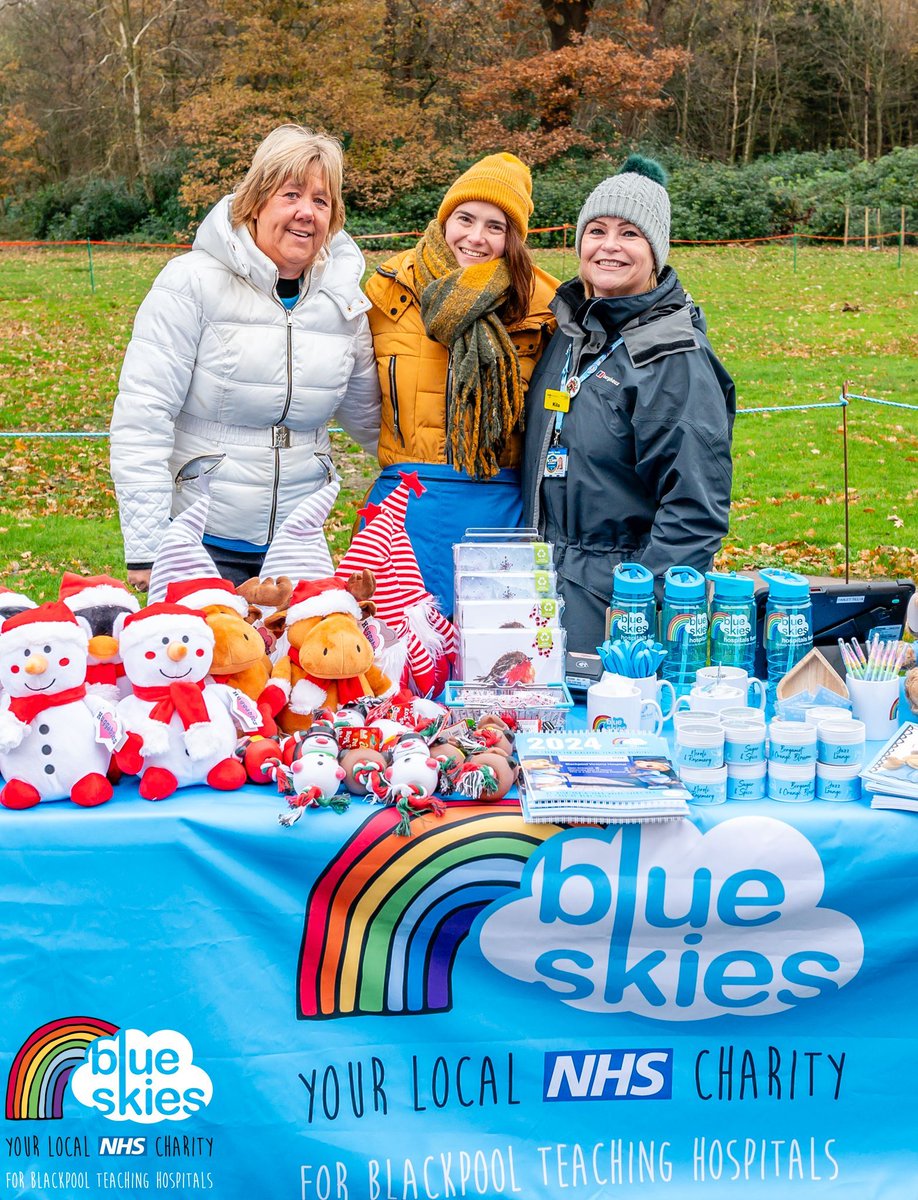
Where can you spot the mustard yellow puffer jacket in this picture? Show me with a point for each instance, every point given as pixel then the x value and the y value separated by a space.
pixel 413 368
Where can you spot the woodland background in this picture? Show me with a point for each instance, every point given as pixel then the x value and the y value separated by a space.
pixel 127 118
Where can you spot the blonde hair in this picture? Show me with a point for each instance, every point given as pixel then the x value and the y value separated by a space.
pixel 290 152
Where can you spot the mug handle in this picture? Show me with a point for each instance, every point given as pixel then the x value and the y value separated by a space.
pixel 677 707
pixel 655 711
pixel 661 685
pixel 757 689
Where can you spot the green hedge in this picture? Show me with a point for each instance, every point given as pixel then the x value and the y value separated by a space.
pixel 710 201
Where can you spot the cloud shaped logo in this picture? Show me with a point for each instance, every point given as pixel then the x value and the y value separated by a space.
pixel 667 921
pixel 145 1078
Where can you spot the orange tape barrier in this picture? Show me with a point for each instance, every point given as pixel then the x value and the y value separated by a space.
pixel 738 241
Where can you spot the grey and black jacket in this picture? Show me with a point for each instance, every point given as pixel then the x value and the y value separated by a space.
pixel 648 439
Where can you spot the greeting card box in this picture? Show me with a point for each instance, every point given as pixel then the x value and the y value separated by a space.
pixel 506 585
pixel 512 656
pixel 493 614
pixel 472 557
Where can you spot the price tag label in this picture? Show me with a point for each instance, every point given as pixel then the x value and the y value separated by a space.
pixel 110 731
pixel 245 711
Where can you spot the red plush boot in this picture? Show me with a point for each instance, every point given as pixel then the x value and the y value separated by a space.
pixel 227 775
pixel 157 783
pixel 17 794
pixel 91 790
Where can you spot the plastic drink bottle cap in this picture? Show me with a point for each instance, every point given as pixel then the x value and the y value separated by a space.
pixel 683 584
pixel 732 586
pixel 632 581
pixel 785 586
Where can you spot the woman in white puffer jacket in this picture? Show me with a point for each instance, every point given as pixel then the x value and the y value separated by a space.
pixel 247 347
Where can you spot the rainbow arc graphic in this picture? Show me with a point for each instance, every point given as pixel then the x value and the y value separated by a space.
pixel 386 918
pixel 41 1069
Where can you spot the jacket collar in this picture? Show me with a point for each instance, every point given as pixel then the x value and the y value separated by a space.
pixel 600 318
pixel 336 271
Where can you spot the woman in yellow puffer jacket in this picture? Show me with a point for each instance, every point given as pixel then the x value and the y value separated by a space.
pixel 458 325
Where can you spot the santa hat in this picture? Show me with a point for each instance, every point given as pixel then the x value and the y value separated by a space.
pixel 162 620
pixel 80 592
pixel 299 549
pixel 13 602
pixel 320 598
pixel 202 593
pixel 181 554
pixel 46 622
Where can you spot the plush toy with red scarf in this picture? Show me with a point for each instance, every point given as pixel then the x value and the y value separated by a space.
pixel 56 739
pixel 329 662
pixel 100 600
pixel 187 726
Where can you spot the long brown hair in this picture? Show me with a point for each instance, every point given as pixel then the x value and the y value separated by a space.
pixel 522 277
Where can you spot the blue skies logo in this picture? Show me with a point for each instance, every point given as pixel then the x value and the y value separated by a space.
pixel 608 1075
pixel 676 924
pixel 146 1078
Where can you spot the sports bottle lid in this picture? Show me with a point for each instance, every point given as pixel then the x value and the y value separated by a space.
pixel 683 585
pixel 786 586
pixel 632 581
pixel 731 586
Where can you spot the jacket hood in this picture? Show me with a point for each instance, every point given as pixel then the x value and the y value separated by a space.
pixel 608 315
pixel 337 269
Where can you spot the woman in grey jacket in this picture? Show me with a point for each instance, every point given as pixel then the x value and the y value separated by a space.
pixel 247 347
pixel 629 416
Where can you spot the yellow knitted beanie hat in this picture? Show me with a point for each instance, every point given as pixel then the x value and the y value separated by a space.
pixel 500 179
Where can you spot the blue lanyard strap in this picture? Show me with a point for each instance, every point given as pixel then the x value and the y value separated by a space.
pixel 590 370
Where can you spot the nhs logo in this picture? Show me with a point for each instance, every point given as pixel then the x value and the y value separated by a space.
pixel 608 1075
pixel 122 1145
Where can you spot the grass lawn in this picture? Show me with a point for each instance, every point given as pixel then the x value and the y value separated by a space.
pixel 788 338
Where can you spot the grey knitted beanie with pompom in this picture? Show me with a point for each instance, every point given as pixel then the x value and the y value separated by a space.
pixel 636 193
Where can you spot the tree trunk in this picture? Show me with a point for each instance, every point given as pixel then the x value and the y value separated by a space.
pixel 565 19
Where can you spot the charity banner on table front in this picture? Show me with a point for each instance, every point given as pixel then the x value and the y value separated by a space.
pixel 197 1001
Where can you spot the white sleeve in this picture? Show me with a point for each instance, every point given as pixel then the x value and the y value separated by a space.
pixel 359 411
pixel 155 377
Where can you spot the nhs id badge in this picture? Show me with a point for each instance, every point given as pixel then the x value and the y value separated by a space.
pixel 555 463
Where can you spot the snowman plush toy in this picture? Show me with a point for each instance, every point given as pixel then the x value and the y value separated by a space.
pixel 56 740
pixel 188 726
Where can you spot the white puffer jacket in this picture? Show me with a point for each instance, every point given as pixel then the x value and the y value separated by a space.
pixel 217 364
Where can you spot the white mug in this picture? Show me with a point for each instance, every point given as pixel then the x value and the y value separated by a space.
pixel 876 703
pixel 734 677
pixel 709 699
pixel 617 706
pixel 651 688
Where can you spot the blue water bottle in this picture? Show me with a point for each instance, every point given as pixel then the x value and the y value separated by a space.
pixel 732 621
pixel 684 627
pixel 633 611
pixel 788 632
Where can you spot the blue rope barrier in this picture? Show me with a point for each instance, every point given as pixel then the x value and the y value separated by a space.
pixel 887 403
pixel 794 407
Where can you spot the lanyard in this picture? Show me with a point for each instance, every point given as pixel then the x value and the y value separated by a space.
pixel 573 384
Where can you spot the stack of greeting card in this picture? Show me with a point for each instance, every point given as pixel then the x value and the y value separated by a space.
pixel 507 609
